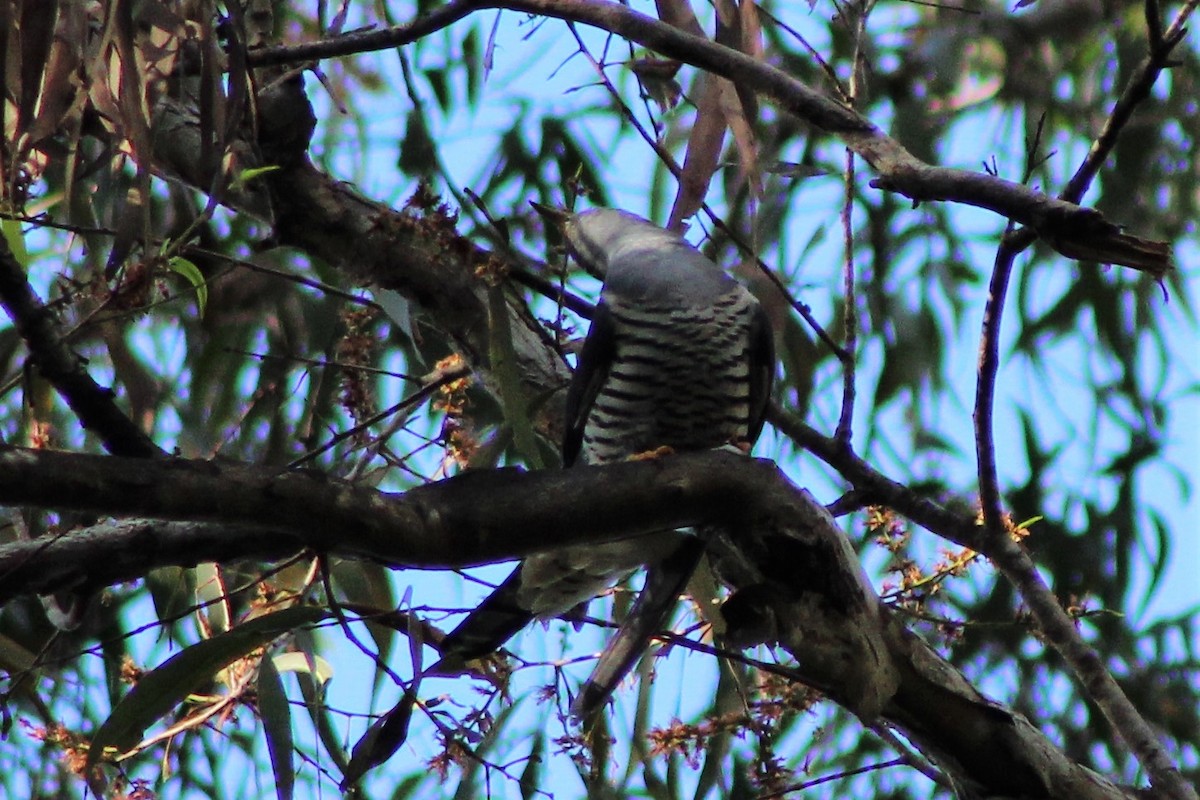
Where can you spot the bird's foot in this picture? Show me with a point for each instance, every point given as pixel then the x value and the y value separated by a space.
pixel 650 455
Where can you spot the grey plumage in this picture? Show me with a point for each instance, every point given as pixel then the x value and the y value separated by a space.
pixel 678 355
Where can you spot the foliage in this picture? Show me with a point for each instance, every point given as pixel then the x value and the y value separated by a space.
pixel 183 283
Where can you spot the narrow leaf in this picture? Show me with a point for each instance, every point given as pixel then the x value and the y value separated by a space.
pixel 163 689
pixel 16 241
pixel 277 727
pixel 192 274
pixel 504 365
pixel 304 663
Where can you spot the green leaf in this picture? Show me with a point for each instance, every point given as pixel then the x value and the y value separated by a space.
pixel 16 241
pixel 163 689
pixel 247 175
pixel 473 63
pixel 191 273
pixel 368 584
pixel 277 726
pixel 418 153
pixel 531 776
pixel 215 611
pixel 172 589
pixel 314 702
pixel 301 663
pixel 15 659
pixel 439 82
pixel 504 365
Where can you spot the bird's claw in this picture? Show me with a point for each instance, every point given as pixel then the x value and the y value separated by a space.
pixel 651 455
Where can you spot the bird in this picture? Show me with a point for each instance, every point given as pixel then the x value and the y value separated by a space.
pixel 679 356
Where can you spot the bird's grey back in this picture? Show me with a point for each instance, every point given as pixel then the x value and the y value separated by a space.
pixel 681 328
pixel 641 262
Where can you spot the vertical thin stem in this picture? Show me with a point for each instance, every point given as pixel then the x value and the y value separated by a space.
pixel 985 386
pixel 845 424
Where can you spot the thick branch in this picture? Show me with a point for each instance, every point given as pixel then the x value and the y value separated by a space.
pixel 1066 227
pixel 417 252
pixel 789 558
pixel 479 517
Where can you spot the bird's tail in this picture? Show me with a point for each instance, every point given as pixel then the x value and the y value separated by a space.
pixel 485 630
pixel 664 583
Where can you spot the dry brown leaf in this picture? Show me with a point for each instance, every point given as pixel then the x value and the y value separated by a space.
pixel 721 104
pixel 61 95
pixel 678 13
pixel 36 35
pixel 752 35
pixel 738 29
pixel 703 149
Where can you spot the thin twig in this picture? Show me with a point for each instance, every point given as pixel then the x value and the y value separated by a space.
pixel 845 426
pixel 1135 93
pixel 92 404
pixel 364 41
pixel 799 787
pixel 438 379
pixel 302 280
pixel 873 487
pixel 1076 232
pixel 985 388
pixel 344 623
pixel 911 757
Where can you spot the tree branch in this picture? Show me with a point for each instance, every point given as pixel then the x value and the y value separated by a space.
pixel 873 487
pixel 1014 562
pixel 1010 556
pixel 1136 91
pixel 479 517
pixel 417 252
pixel 367 41
pixel 63 368
pixel 785 556
pixel 421 255
pixel 1074 231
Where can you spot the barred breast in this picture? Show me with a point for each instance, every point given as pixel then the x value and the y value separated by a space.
pixel 679 379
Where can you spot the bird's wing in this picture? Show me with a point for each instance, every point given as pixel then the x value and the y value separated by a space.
pixel 761 352
pixel 595 360
pixel 664 583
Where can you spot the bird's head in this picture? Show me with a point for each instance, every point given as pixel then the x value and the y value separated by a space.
pixel 635 257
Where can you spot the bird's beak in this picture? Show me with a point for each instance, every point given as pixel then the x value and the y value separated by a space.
pixel 556 217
